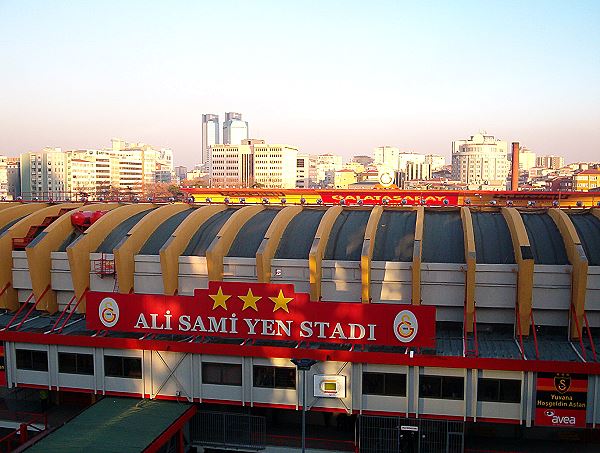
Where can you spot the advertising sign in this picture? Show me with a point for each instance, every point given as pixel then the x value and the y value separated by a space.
pixel 262 311
pixel 561 400
pixel 391 197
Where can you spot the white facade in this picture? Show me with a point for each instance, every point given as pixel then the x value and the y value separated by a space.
pixel 553 162
pixel 231 166
pixel 386 156
pixel 275 166
pixel 527 159
pixel 481 162
pixel 210 134
pixel 326 165
pixel 234 129
pixel 436 161
pixel 3 177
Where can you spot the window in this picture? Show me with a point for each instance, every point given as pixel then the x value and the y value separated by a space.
pixel 28 359
pixel 73 363
pixel 499 390
pixel 274 377
pixel 441 387
pixel 123 367
pixel 221 373
pixel 385 384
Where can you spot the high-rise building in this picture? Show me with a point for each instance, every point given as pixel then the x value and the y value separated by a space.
pixel 527 159
pixel 180 172
pixel 44 174
pixel 210 134
pixel 417 171
pixel 386 156
pixel 481 162
pixel 303 171
pixel 13 170
pixel 553 162
pixel 234 129
pixel 254 163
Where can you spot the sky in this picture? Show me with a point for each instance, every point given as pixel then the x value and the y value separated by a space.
pixel 327 76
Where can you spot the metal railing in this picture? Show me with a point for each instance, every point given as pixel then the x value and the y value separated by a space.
pixel 220 429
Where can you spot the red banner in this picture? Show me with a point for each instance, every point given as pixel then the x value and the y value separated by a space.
pixel 262 311
pixel 561 400
pixel 392 197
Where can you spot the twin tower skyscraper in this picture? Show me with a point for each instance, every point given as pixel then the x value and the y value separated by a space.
pixel 234 131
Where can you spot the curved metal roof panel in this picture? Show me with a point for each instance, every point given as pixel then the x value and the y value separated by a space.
pixel 250 236
pixel 493 243
pixel 347 236
pixel 298 237
pixel 588 229
pixel 443 237
pixel 395 236
pixel 205 234
pixel 158 238
pixel 547 244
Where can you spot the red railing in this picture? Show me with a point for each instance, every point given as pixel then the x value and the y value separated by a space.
pixel 37 301
pixel 70 313
pixel 535 342
pixel 21 434
pixel 574 317
pixel 591 340
pixel 21 308
pixel 517 315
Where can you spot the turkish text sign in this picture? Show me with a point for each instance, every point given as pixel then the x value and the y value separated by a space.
pixel 561 400
pixel 262 311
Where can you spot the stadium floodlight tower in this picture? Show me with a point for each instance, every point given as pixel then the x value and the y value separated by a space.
pixel 304 365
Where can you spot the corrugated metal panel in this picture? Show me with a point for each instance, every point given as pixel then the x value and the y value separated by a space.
pixel 588 229
pixel 493 243
pixel 206 233
pixel 163 232
pixel 395 236
pixel 347 236
pixel 299 235
pixel 120 231
pixel 443 237
pixel 546 242
pixel 251 234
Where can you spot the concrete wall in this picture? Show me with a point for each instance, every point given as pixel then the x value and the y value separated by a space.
pixel 295 272
pixel 239 269
pixel 391 282
pixel 193 273
pixel 341 281
pixel 551 294
pixel 147 278
pixel 443 285
pixel 495 292
pixel 592 296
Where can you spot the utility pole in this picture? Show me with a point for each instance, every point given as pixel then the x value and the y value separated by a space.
pixel 303 365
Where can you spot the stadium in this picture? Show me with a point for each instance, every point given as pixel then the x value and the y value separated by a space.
pixel 430 317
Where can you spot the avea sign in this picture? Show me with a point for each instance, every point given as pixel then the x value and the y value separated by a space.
pixel 262 311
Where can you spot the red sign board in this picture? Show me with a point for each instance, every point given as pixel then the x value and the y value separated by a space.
pixel 561 400
pixel 392 197
pixel 262 311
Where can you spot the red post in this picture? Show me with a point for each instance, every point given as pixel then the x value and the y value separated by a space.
pixel 180 442
pixel 22 433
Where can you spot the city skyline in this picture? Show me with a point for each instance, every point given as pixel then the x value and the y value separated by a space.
pixel 405 75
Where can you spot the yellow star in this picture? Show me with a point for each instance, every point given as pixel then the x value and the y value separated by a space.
pixel 250 300
pixel 219 299
pixel 281 301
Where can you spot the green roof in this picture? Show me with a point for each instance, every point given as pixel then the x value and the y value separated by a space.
pixel 119 425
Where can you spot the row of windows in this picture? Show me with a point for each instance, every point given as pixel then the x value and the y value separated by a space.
pixel 382 384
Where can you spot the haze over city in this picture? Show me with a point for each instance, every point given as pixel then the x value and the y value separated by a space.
pixel 340 77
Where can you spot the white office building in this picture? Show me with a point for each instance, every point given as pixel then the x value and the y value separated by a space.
pixel 234 129
pixel 481 162
pixel 210 134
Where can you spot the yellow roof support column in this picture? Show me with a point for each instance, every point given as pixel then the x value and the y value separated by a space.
pixel 579 263
pixel 317 250
pixel 176 244
pixel 367 253
pixel 524 258
pixel 136 237
pixel 417 253
pixel 19 230
pixel 221 244
pixel 39 253
pixel 470 258
pixel 16 211
pixel 268 246
pixel 79 252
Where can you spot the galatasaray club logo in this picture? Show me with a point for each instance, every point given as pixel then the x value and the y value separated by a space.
pixel 108 310
pixel 562 383
pixel 405 326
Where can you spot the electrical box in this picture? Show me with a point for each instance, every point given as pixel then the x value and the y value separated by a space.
pixel 329 386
